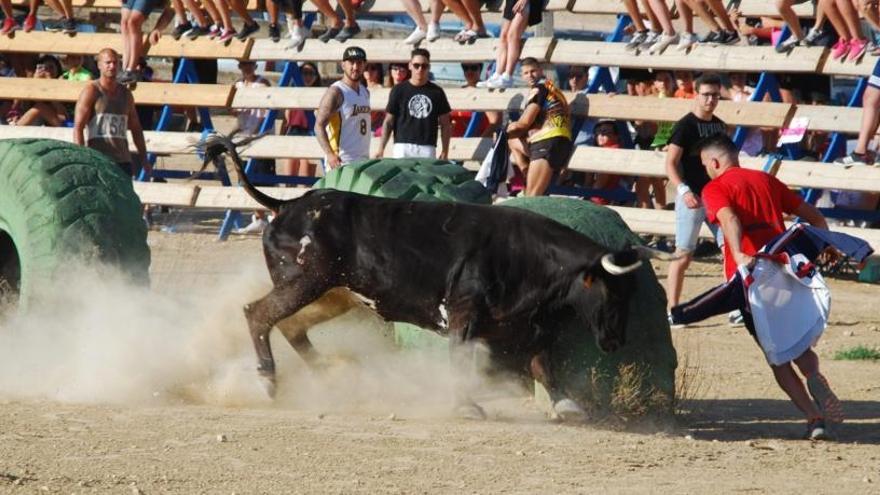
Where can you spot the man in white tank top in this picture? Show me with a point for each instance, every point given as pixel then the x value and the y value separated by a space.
pixel 342 123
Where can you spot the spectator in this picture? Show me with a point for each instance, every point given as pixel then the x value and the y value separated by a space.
pixel 688 176
pixel 518 14
pixel 468 11
pixel 342 122
pixel 488 122
pixel 9 24
pixel 684 85
pixel 870 121
pixel 239 7
pixel 798 38
pixel 540 140
pixel 296 123
pixel 374 77
pixel 641 34
pixel 50 113
pixel 207 17
pixel 607 136
pixel 398 72
pixel 134 13
pixel 75 70
pixel 739 91
pixel 723 33
pixel 107 108
pixel 248 122
pixel 423 29
pixel 658 44
pixel 415 109
pixel 297 29
pixel 851 42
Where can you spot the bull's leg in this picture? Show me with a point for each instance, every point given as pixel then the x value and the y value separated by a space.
pixel 463 357
pixel 332 304
pixel 264 313
pixel 561 407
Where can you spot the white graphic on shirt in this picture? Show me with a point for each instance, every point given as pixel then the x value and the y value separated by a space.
pixel 420 106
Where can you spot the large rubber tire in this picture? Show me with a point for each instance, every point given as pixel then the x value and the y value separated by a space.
pixel 415 179
pixel 61 203
pixel 639 378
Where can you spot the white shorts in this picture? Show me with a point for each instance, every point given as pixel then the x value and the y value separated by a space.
pixel 410 150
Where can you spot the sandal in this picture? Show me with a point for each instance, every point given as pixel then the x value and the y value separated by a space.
pixel 460 36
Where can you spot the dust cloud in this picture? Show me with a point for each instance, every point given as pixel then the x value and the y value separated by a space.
pixel 96 339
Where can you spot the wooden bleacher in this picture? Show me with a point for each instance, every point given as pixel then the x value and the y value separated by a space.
pixel 199 95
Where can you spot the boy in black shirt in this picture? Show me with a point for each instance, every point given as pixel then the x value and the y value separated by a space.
pixel 415 108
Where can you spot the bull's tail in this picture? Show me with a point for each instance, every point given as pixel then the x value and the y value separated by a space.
pixel 215 145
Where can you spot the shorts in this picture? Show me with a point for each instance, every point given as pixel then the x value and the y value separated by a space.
pixel 412 150
pixel 534 11
pixel 143 6
pixel 556 150
pixel 687 226
pixel 874 78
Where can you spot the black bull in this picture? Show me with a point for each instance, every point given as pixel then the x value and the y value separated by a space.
pixel 502 276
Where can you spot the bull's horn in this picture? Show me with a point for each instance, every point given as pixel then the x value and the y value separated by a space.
pixel 647 253
pixel 610 267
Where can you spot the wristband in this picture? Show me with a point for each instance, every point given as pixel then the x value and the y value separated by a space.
pixel 682 189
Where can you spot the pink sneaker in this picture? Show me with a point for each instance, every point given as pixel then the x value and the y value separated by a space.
pixel 30 22
pixel 839 49
pixel 9 26
pixel 856 49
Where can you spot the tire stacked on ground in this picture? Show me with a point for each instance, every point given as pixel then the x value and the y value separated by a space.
pixel 61 204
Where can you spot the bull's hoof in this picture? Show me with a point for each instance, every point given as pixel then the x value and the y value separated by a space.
pixel 269 385
pixel 470 411
pixel 568 411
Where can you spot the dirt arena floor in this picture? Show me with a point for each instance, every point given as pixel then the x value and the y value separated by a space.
pixel 122 390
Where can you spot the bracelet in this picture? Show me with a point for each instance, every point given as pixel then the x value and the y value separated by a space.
pixel 683 188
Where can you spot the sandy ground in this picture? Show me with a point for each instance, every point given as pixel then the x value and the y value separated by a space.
pixel 120 390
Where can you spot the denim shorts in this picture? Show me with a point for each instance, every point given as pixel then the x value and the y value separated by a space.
pixel 143 6
pixel 687 226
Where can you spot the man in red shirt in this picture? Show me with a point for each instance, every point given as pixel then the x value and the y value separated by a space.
pixel 749 206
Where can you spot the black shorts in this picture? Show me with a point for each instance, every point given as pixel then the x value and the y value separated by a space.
pixel 556 150
pixel 535 13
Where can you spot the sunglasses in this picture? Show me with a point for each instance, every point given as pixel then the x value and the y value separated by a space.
pixel 418 66
pixel 470 67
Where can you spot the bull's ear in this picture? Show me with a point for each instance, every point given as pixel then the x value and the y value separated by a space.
pixel 588 280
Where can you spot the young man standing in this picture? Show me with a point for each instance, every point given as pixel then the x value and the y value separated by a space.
pixel 749 206
pixel 415 109
pixel 342 122
pixel 107 108
pixel 541 154
pixel 690 178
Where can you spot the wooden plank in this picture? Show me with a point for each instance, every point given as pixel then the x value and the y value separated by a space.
pixel 236 198
pixel 763 8
pixel 395 50
pixel 612 7
pixel 863 68
pixel 831 118
pixel 95 4
pixel 701 57
pixel 203 47
pixel 169 194
pixel 829 176
pixel 46 42
pixel 645 163
pixel 199 95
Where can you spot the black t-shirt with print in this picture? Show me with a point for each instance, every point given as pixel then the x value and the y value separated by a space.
pixel 687 133
pixel 417 110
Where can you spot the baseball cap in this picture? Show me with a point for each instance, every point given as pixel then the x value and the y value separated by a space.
pixel 354 53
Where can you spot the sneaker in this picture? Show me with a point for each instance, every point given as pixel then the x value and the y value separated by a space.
pixel 330 33
pixel 128 77
pixel 53 26
pixel 857 48
pixel 433 32
pixel 30 22
pixel 9 26
pixel 735 318
pixel 274 33
pixel 729 37
pixel 816 430
pixel 839 49
pixel 347 33
pixel 180 29
pixel 247 30
pixel 298 35
pixel 812 37
pixel 415 37
pixel 855 159
pixel 687 40
pixel 494 79
pixel 828 403
pixel 225 36
pixel 68 26
pixel 255 227
pixel 214 31
pixel 788 45
pixel 672 323
pixel 711 38
pixel 503 82
pixel 195 31
pixel 637 40
pixel 649 40
pixel 662 43
pixel 459 36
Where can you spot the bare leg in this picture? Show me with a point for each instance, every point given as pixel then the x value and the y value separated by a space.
pixel 632 9
pixel 721 14
pixel 836 19
pixel 328 12
pixel 348 10
pixel 790 17
pixel 414 9
pixel 514 41
pixel 240 8
pixel 686 14
pixel 539 177
pixel 700 8
pixel 661 10
pixel 473 10
pixel 870 118
pixel 851 18
pixel 792 385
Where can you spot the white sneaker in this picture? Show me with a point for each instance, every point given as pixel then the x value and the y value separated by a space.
pixel 505 81
pixel 433 31
pixel 415 36
pixel 662 43
pixel 637 40
pixel 298 35
pixel 650 39
pixel 255 227
pixel 495 78
pixel 687 40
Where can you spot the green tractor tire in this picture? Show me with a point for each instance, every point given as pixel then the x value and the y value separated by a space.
pixel 61 203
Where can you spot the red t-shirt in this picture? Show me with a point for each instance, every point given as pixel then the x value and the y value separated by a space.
pixel 758 199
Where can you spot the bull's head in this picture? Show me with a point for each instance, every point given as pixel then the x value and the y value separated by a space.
pixel 607 288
